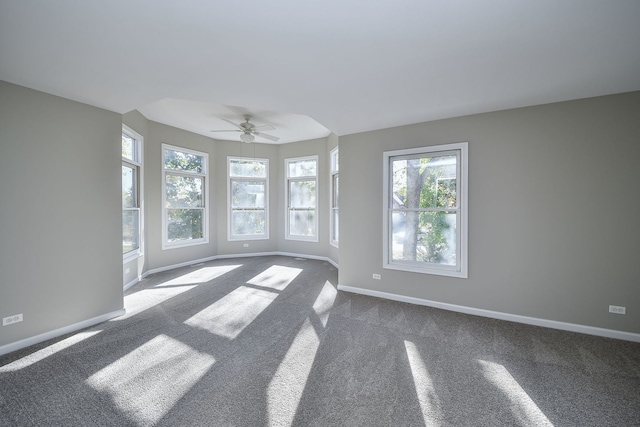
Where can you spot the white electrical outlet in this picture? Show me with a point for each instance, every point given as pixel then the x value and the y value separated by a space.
pixel 376 276
pixel 617 309
pixel 12 319
pixel 246 245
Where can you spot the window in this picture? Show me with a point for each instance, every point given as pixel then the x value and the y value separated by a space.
pixel 301 198
pixel 248 215
pixel 184 201
pixel 131 193
pixel 425 210
pixel 334 198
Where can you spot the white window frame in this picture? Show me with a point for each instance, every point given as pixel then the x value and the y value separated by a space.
pixel 136 164
pixel 287 180
pixel 333 200
pixel 205 197
pixel 230 181
pixel 460 270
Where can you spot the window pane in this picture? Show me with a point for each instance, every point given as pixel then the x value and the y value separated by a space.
pixel 424 182
pixel 129 187
pixel 179 160
pixel 425 237
pixel 248 168
pixel 128 147
pixel 302 223
pixel 130 233
pixel 302 194
pixel 302 168
pixel 184 224
pixel 335 191
pixel 247 194
pixel 183 191
pixel 336 228
pixel 248 222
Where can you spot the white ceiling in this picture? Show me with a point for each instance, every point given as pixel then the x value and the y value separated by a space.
pixel 202 117
pixel 350 65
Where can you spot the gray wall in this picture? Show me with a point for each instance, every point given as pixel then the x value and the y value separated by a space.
pixel 553 211
pixel 60 238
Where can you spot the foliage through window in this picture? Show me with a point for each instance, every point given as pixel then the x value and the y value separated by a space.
pixel 131 192
pixel 334 226
pixel 425 210
pixel 184 196
pixel 248 198
pixel 301 196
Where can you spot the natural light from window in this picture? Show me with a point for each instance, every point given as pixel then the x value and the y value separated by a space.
pixel 288 383
pixel 201 275
pixel 276 277
pixel 324 302
pixel 146 383
pixel 425 391
pixel 147 298
pixel 522 406
pixel 47 351
pixel 231 314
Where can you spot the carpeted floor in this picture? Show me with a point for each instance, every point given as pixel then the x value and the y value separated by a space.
pixel 268 341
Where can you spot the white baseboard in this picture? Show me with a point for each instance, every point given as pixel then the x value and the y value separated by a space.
pixel 289 254
pixel 133 282
pixel 316 257
pixel 226 256
pixel 14 346
pixel 572 327
pixel 246 255
pixel 182 264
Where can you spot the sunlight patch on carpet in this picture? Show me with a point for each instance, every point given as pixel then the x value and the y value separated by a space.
pixel 146 383
pixel 48 351
pixel 276 277
pixel 231 314
pixel 288 383
pixel 522 406
pixel 425 391
pixel 324 302
pixel 147 298
pixel 201 275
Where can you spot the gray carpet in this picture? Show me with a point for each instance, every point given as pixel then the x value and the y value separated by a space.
pixel 268 341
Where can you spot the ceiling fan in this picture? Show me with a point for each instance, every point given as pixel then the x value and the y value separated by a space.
pixel 250 131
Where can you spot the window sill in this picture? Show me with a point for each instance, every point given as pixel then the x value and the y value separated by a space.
pixel 166 246
pixel 245 238
pixel 461 274
pixel 303 239
pixel 131 256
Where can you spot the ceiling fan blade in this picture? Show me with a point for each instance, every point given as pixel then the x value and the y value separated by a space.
pixel 235 124
pixel 264 127
pixel 269 137
pixel 225 130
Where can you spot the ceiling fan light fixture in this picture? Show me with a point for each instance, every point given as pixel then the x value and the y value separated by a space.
pixel 247 137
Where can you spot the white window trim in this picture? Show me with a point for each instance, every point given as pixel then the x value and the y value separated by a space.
pixel 205 174
pixel 460 270
pixel 230 235
pixel 288 236
pixel 334 170
pixel 130 256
